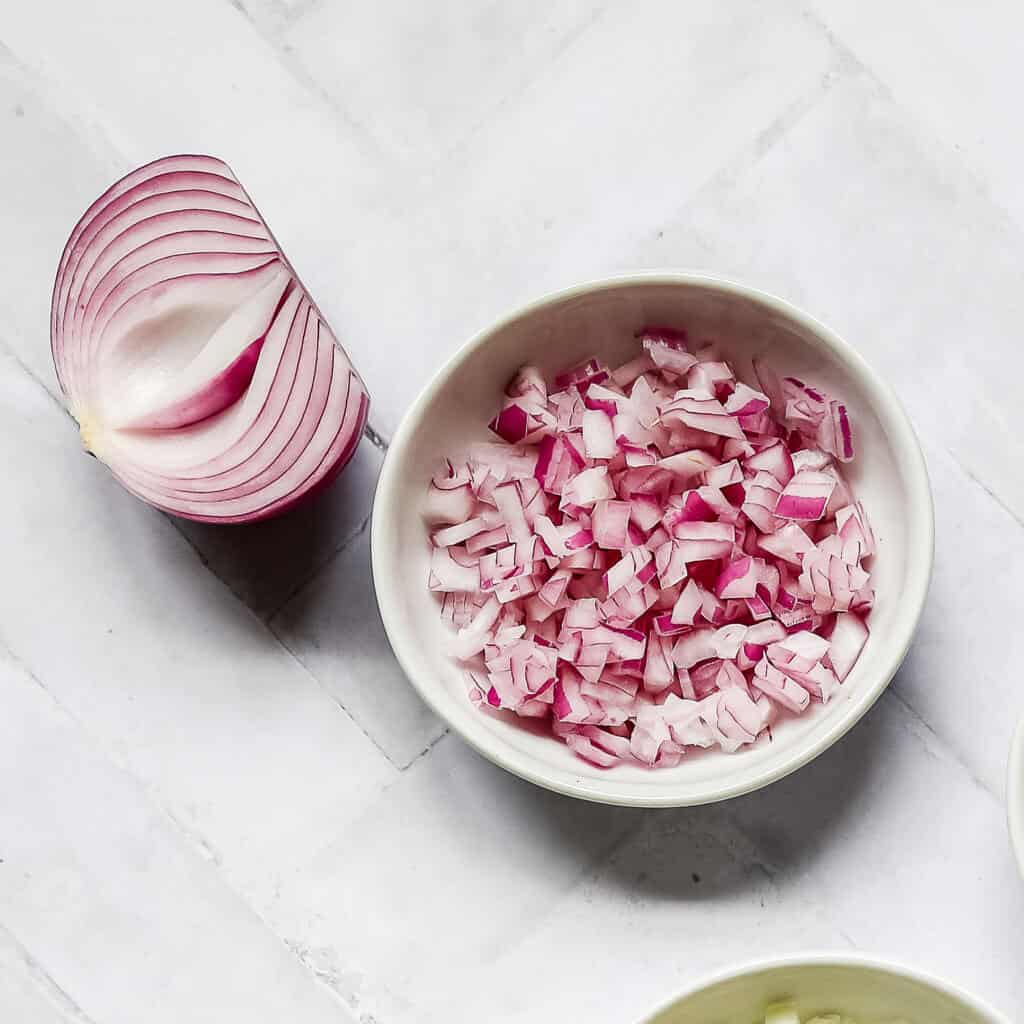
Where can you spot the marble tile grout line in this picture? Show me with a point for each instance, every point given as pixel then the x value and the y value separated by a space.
pixel 334 700
pixel 427 749
pixel 849 57
pixel 45 983
pixel 316 571
pixel 193 839
pixel 776 130
pixel 206 565
pixel 975 479
pixel 378 440
pixel 276 637
pixel 841 50
pixel 580 31
pixel 295 70
pixel 11 353
pixel 893 693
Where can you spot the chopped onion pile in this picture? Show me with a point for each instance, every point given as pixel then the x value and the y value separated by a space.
pixel 198 367
pixel 654 558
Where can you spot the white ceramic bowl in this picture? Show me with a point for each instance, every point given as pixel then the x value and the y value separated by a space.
pixel 601 317
pixel 1015 795
pixel 867 990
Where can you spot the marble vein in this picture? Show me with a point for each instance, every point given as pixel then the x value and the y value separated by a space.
pixel 40 995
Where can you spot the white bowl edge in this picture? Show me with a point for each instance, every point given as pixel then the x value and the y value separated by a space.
pixel 985 1014
pixel 919 550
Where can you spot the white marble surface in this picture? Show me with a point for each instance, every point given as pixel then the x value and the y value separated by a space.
pixel 219 799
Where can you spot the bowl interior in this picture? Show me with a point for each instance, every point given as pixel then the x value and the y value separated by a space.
pixel 868 994
pixel 887 475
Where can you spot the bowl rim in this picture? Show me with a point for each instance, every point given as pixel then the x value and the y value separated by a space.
pixel 920 546
pixel 1015 795
pixel 894 967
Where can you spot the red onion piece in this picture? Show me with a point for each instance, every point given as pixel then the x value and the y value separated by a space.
pixel 197 366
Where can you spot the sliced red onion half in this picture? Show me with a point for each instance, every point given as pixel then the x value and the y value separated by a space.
pixel 197 365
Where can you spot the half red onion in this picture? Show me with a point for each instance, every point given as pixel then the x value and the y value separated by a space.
pixel 197 365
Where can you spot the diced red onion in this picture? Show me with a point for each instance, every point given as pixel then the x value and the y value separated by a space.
pixel 689 604
pixel 669 355
pixel 598 435
pixel 780 688
pixel 745 401
pixel 587 487
pixel 846 642
pixel 656 557
pixel 700 410
pixel 610 524
pixel 806 496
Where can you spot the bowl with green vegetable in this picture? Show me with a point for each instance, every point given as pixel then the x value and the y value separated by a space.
pixel 825 989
